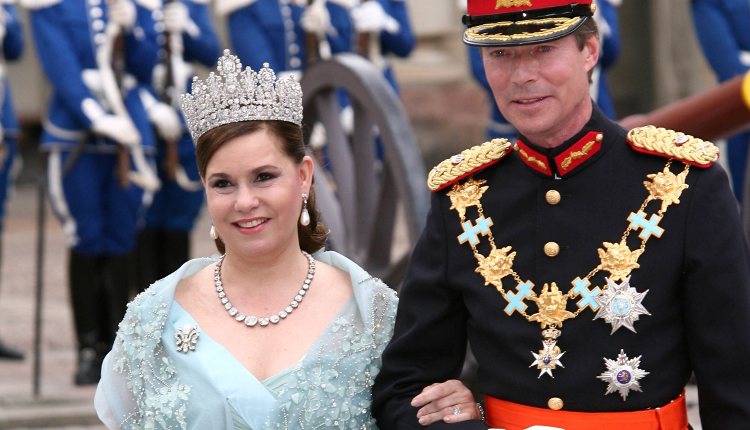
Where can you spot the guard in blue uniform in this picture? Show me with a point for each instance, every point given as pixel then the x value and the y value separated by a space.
pixel 607 19
pixel 388 22
pixel 273 31
pixel 164 242
pixel 722 30
pixel 11 37
pixel 98 139
pixel 590 269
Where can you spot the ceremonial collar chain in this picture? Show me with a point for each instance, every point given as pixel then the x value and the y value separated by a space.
pixel 618 304
pixel 252 320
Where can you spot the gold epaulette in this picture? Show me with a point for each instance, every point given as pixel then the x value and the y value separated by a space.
pixel 673 144
pixel 468 162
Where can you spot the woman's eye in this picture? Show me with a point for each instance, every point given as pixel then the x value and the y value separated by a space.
pixel 221 183
pixel 264 176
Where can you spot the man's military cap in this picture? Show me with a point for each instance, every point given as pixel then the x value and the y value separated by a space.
pixel 522 22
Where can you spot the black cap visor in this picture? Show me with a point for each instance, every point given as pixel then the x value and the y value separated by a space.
pixel 526 32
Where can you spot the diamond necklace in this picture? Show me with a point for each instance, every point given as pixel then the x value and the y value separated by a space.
pixel 252 320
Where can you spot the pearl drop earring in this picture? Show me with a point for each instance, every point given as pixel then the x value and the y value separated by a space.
pixel 304 217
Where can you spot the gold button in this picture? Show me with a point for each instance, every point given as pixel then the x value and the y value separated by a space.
pixel 551 249
pixel 555 403
pixel 552 197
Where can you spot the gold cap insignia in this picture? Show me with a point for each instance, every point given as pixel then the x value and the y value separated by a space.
pixel 512 3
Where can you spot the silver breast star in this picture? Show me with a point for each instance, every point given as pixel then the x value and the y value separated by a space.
pixel 622 375
pixel 620 305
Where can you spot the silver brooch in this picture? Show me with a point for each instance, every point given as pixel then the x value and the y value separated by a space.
pixel 186 338
pixel 620 305
pixel 623 374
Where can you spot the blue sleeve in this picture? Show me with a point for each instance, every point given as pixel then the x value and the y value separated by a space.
pixel 401 43
pixel 477 66
pixel 204 49
pixel 343 39
pixel 58 60
pixel 611 41
pixel 714 33
pixel 250 42
pixel 141 47
pixel 13 43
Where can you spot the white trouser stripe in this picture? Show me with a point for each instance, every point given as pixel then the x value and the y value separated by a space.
pixel 57 197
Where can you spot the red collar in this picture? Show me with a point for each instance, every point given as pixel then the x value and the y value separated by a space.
pixel 564 162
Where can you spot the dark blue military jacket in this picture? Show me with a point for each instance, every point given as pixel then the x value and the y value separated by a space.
pixel 697 275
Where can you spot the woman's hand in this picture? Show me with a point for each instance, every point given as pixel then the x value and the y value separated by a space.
pixel 449 401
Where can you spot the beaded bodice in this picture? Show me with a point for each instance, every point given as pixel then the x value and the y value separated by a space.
pixel 329 388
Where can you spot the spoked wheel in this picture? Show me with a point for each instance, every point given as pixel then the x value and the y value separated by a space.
pixel 370 180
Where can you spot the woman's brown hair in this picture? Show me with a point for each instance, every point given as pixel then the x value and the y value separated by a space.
pixel 313 236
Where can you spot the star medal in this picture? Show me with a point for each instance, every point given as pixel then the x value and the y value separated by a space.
pixel 620 305
pixel 622 375
pixel 548 357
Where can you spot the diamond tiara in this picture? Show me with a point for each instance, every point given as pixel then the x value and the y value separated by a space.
pixel 240 95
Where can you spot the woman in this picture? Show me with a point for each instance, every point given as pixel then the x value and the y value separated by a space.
pixel 218 343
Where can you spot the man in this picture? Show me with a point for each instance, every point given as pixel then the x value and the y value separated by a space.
pixel 719 26
pixel 164 242
pixel 95 125
pixel 387 24
pixel 11 39
pixel 274 31
pixel 590 270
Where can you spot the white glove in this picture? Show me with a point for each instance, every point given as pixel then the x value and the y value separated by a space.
pixel 369 17
pixel 346 118
pixel 318 136
pixel 166 121
pixel 122 13
pixel 162 116
pixel 177 19
pixel 3 18
pixel 316 19
pixel 116 127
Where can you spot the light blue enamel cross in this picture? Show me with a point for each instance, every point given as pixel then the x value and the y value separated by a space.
pixel 515 300
pixel 588 297
pixel 472 231
pixel 649 227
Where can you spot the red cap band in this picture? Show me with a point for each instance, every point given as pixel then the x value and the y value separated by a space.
pixel 495 7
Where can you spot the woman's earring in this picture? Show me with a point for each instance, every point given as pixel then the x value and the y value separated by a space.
pixel 212 233
pixel 304 217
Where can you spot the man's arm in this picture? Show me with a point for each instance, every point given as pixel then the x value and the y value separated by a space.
pixel 717 302
pixel 429 340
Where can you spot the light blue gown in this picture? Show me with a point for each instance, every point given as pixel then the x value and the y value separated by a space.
pixel 146 383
